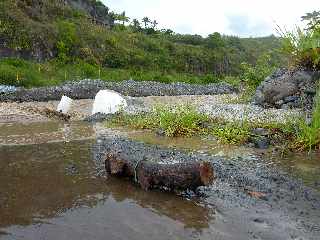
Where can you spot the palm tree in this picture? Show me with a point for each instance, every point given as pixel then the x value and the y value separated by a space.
pixel 146 22
pixel 154 24
pixel 136 25
pixel 124 18
pixel 313 19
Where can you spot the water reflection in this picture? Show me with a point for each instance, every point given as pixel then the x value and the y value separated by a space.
pixel 302 165
pixel 43 132
pixel 39 188
pixel 49 187
pixel 197 143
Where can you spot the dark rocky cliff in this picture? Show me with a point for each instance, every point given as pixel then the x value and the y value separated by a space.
pixel 97 10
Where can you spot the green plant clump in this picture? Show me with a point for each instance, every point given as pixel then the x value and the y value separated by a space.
pixel 232 133
pixel 303 45
pixel 186 121
pixel 308 135
pixel 178 121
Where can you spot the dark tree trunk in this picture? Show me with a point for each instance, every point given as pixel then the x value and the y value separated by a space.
pixel 149 173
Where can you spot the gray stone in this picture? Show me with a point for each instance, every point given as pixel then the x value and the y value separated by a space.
pixel 286 86
pixel 286 106
pixel 7 89
pixel 260 131
pixel 98 117
pixel 279 102
pixel 261 142
pixel 291 99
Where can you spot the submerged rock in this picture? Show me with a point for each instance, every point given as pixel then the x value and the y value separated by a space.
pixel 261 142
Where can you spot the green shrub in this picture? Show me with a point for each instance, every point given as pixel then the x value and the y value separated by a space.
pixel 233 133
pixel 19 72
pixel 8 75
pixel 303 46
pixel 308 135
pixel 253 75
pixel 176 121
pixel 179 121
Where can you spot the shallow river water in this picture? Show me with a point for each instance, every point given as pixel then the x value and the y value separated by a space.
pixel 49 188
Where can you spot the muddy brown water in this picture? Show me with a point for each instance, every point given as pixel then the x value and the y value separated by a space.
pixel 49 188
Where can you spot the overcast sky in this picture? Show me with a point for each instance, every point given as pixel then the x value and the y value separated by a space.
pixel 235 17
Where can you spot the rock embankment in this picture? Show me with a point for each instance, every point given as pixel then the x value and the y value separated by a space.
pixel 288 89
pixel 87 89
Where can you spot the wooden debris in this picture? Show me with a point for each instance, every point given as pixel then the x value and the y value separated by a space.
pixel 152 174
pixel 50 113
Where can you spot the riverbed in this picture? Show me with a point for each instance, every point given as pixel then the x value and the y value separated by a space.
pixel 50 189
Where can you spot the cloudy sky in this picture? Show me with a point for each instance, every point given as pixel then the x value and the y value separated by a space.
pixel 236 17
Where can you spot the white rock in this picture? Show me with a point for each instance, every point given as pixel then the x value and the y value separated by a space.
pixel 108 101
pixel 64 105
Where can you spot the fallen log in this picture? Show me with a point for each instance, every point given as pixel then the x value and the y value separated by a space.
pixel 155 167
pixel 51 113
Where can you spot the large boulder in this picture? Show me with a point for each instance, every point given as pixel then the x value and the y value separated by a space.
pixel 288 89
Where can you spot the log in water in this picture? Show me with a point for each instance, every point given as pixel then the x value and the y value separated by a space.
pixel 155 167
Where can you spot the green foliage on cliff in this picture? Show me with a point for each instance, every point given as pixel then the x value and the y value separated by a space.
pixel 303 45
pixel 20 72
pixel 56 31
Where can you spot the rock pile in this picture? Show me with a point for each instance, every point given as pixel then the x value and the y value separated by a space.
pixel 288 89
pixel 87 89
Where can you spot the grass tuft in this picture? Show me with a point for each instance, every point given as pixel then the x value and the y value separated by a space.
pixel 308 135
pixel 177 121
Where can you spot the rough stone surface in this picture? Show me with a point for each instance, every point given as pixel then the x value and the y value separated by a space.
pixel 7 89
pixel 86 89
pixel 288 89
pixel 97 117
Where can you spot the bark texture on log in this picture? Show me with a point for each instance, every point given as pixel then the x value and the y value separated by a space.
pixel 154 167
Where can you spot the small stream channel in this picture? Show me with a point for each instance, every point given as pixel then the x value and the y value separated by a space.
pixel 49 188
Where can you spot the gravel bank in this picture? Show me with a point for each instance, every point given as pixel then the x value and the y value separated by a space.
pixel 216 106
pixel 87 89
pixel 213 105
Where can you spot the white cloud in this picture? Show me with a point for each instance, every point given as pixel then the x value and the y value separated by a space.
pixel 237 17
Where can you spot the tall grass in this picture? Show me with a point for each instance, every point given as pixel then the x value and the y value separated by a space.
pixel 302 46
pixel 232 133
pixel 173 121
pixel 308 135
pixel 19 72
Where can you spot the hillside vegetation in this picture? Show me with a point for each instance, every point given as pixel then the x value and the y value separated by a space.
pixel 48 42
